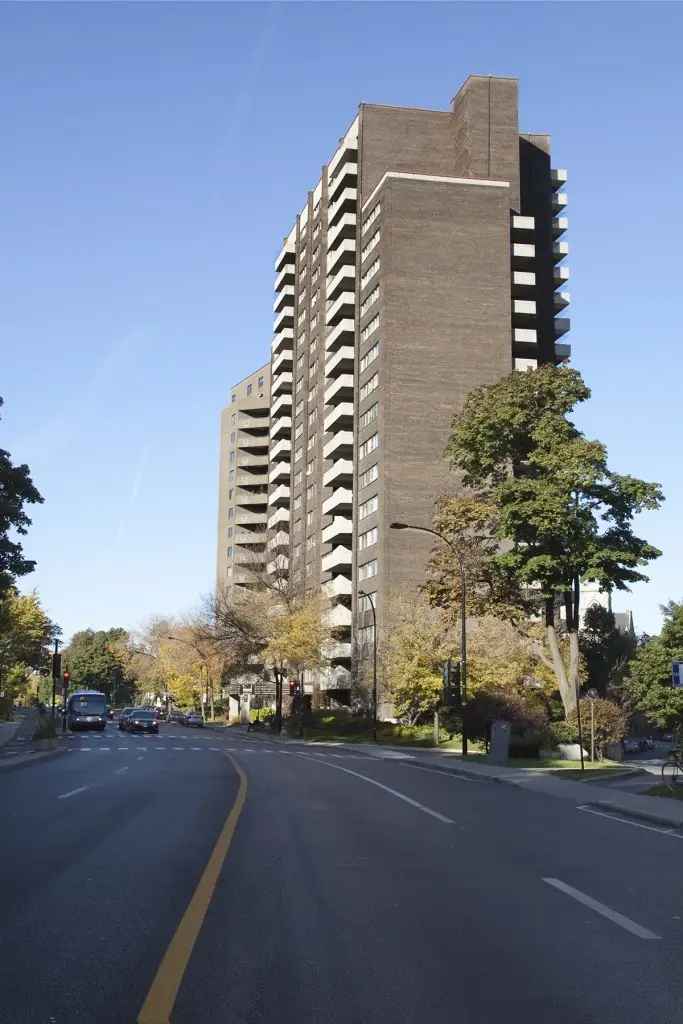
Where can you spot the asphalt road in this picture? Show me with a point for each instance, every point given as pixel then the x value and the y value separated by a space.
pixel 355 890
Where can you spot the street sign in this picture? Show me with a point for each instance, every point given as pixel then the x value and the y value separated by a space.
pixel 677 674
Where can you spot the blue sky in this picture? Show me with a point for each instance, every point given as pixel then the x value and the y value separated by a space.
pixel 154 157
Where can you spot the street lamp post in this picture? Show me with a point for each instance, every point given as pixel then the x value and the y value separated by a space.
pixel 362 593
pixel 463 611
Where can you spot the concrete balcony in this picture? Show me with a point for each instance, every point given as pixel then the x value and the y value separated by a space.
pixel 243 516
pixel 279 497
pixel 339 530
pixel 561 300
pixel 280 540
pixel 281 405
pixel 560 275
pixel 248 461
pixel 563 352
pixel 338 502
pixel 278 518
pixel 523 282
pixel 560 200
pixel 522 226
pixel 339 446
pixel 258 478
pixel 279 473
pixel 562 325
pixel 248 422
pixel 249 538
pixel 344 228
pixel 343 307
pixel 281 426
pixel 338 617
pixel 524 308
pixel 560 250
pixel 522 254
pixel 342 334
pixel 341 416
pixel 338 588
pixel 339 474
pixel 283 340
pixel 558 177
pixel 285 256
pixel 337 651
pixel 338 560
pixel 340 362
pixel 250 499
pixel 282 384
pixel 340 390
pixel 336 677
pixel 560 225
pixel 282 362
pixel 285 277
pixel 255 444
pixel 346 178
pixel 284 298
pixel 281 450
pixel 345 202
pixel 278 566
pixel 344 254
pixel 343 280
pixel 284 319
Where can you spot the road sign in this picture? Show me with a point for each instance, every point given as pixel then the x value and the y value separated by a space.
pixel 677 673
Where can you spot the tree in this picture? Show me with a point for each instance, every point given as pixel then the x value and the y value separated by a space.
pixel 605 649
pixel 609 723
pixel 96 660
pixel 561 515
pixel 16 491
pixel 416 647
pixel 648 687
pixel 26 634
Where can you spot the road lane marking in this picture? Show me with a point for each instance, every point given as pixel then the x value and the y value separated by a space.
pixel 601 908
pixel 123 748
pixel 104 748
pixel 194 748
pixel 177 748
pixel 141 758
pixel 210 748
pixel 120 771
pixel 387 789
pixel 73 792
pixel 672 833
pixel 439 771
pixel 158 1005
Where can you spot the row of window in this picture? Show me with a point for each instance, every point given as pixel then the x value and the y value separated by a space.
pixel 366 635
pixel 369 386
pixel 365 540
pixel 250 388
pixel 367 570
pixel 369 356
pixel 370 272
pixel 371 445
pixel 369 416
pixel 372 244
pixel 369 328
pixel 371 217
pixel 370 300
pixel 368 507
pixel 369 476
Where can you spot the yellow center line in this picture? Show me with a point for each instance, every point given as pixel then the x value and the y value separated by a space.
pixel 158 1005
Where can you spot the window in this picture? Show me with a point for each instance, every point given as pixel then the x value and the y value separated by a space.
pixel 232 456
pixel 371 326
pixel 369 476
pixel 314 254
pixel 370 300
pixel 229 573
pixel 368 507
pixel 297 502
pixel 310 543
pixel 369 416
pixel 316 232
pixel 374 241
pixel 314 322
pixel 299 408
pixel 309 518
pixel 249 389
pixel 231 514
pixel 231 474
pixel 298 432
pixel 230 551
pixel 364 602
pixel 309 569
pixel 230 529
pixel 316 209
pixel 302 296
pixel 310 467
pixel 298 477
pixel 368 538
pixel 300 362
pixel 232 437
pixel 366 635
pixel 371 445
pixel 297 527
pixel 371 217
pixel 296 551
pixel 312 394
pixel 234 397
pixel 313 368
pixel 366 571
pixel 311 442
pixel 315 297
pixel 369 356
pixel 299 384
pixel 234 415
pixel 230 493
pixel 297 454
pixel 369 386
pixel 260 383
pixel 312 417
pixel 310 493
pixel 301 340
pixel 297 575
pixel 315 275
pixel 301 317
pixel 314 343
pixel 302 254
pixel 370 272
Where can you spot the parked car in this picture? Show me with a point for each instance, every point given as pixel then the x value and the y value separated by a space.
pixel 194 718
pixel 645 743
pixel 631 745
pixel 123 716
pixel 177 716
pixel 141 720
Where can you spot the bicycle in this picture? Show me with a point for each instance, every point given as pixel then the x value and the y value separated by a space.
pixel 672 769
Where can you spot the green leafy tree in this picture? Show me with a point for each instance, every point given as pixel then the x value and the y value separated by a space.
pixel 16 491
pixel 26 635
pixel 560 514
pixel 96 660
pixel 606 650
pixel 416 645
pixel 648 688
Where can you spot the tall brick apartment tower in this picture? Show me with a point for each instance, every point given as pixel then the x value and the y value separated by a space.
pixel 424 263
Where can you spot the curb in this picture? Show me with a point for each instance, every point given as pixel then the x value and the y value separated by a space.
pixel 653 818
pixel 22 760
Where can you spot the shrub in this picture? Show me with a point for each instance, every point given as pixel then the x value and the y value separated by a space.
pixel 561 732
pixel 610 723
pixel 45 730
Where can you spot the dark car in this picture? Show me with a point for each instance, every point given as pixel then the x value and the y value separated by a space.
pixel 123 717
pixel 177 716
pixel 194 718
pixel 141 720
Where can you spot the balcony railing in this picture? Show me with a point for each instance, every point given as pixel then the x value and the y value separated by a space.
pixel 344 228
pixel 281 450
pixel 346 176
pixel 278 517
pixel 561 300
pixel 279 473
pixel 285 297
pixel 340 361
pixel 523 225
pixel 281 404
pixel 284 319
pixel 281 426
pixel 342 308
pixel 341 416
pixel 343 333
pixel 338 560
pixel 286 255
pixel 279 497
pixel 345 253
pixel 285 277
pixel 524 307
pixel 346 201
pixel 344 279
pixel 340 445
pixel 340 390
pixel 560 250
pixel 282 361
pixel 560 225
pixel 340 473
pixel 337 588
pixel 562 324
pixel 558 177
pixel 560 274
pixel 341 500
pixel 282 383
pixel 338 617
pixel 339 530
pixel 284 339
pixel 560 200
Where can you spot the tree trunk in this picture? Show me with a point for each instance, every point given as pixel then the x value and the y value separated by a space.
pixel 571 603
pixel 278 701
pixel 567 693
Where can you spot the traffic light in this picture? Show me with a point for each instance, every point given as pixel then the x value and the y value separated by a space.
pixel 293 688
pixel 56 665
pixel 66 679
